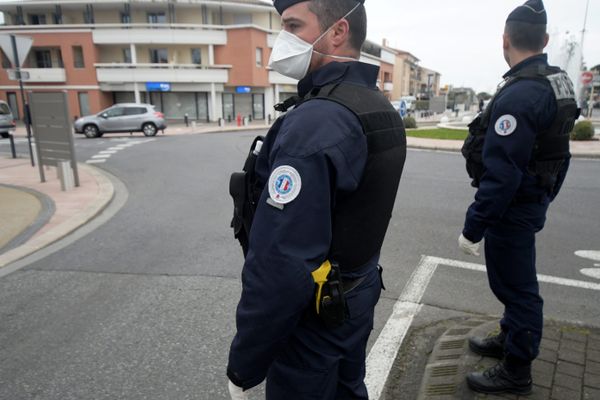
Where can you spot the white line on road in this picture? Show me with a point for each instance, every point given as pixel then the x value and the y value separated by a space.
pixel 542 278
pixel 384 351
pixel 108 152
pixel 101 156
pixel 98 161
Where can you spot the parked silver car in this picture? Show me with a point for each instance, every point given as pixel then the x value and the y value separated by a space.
pixel 126 117
pixel 7 121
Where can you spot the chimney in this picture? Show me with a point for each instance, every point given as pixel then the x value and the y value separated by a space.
pixel 385 43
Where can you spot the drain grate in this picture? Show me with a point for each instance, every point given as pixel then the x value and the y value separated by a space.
pixel 440 390
pixel 444 370
pixel 452 344
pixel 443 357
pixel 457 332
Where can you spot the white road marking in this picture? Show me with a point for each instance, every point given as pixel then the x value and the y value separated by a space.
pixel 593 255
pixel 98 161
pixel 108 152
pixel 591 272
pixel 101 156
pixel 384 351
pixel 116 148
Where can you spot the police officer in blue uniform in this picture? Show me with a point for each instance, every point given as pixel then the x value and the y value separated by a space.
pixel 517 155
pixel 327 173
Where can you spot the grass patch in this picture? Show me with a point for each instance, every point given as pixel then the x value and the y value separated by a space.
pixel 438 133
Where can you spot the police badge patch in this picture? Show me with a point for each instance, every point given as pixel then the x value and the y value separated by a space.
pixel 284 184
pixel 505 125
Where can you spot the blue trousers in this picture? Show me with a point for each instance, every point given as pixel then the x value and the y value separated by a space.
pixel 510 260
pixel 328 364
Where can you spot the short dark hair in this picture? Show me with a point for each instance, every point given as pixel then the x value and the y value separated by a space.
pixel 329 12
pixel 525 36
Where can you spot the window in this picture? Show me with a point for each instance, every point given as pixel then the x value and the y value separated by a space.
pixel 159 56
pixel 84 104
pixel 4 110
pixel 135 110
pixel 88 15
pixel 37 19
pixel 43 58
pixel 127 55
pixel 242 19
pixel 259 56
pixel 125 18
pixel 196 56
pixel 114 112
pixel 57 18
pixel 78 60
pixel 5 61
pixel 12 102
pixel 228 106
pixel 59 58
pixel 157 18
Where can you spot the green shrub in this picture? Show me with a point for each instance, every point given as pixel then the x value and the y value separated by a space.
pixel 422 105
pixel 410 123
pixel 584 130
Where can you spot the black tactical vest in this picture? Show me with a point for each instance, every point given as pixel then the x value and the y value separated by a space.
pixel 551 147
pixel 361 217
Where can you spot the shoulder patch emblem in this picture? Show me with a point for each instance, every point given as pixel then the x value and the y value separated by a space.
pixel 506 125
pixel 284 184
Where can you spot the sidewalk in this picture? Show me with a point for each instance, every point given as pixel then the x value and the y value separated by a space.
pixel 41 213
pixel 567 368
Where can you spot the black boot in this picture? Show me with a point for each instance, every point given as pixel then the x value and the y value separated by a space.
pixel 504 377
pixel 492 346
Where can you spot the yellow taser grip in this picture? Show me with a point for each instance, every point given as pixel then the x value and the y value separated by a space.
pixel 320 277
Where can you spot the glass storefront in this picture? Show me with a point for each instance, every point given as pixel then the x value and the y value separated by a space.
pixel 251 105
pixel 173 104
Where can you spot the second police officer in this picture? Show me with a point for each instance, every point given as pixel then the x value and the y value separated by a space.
pixel 323 188
pixel 517 155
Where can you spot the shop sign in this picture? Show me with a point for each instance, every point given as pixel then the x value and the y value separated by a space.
pixel 158 86
pixel 243 89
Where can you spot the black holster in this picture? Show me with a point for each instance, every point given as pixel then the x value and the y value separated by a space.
pixel 333 300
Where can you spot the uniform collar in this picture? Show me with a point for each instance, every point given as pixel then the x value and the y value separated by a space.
pixel 354 71
pixel 537 59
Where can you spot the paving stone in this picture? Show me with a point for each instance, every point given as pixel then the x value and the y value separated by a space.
pixel 549 344
pixel 592 380
pixel 591 393
pixel 548 355
pixel 593 355
pixel 594 344
pixel 576 357
pixel 592 367
pixel 572 345
pixel 576 336
pixel 552 334
pixel 543 373
pixel 561 393
pixel 538 393
pixel 567 368
pixel 567 381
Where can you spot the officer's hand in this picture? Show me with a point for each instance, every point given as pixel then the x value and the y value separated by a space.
pixel 236 392
pixel 467 246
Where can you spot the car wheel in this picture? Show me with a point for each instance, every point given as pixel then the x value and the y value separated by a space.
pixel 91 131
pixel 149 129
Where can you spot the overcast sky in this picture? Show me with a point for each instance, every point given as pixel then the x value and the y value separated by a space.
pixel 462 39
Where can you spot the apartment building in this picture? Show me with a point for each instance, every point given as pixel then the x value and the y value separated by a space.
pixel 203 58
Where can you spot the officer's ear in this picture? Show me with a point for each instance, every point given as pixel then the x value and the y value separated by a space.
pixel 340 33
pixel 505 42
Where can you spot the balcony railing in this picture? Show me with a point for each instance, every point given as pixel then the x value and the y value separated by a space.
pixel 175 73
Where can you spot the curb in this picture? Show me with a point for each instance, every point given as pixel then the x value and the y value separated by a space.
pixel 106 192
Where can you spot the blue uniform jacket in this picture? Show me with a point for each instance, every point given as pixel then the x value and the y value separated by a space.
pixel 518 114
pixel 324 142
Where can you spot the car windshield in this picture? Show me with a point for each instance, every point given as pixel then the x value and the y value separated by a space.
pixel 4 110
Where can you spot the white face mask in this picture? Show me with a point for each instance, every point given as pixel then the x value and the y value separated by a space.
pixel 291 55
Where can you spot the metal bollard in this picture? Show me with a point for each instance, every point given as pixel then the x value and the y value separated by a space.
pixel 221 122
pixel 12 145
pixel 65 174
pixel 186 119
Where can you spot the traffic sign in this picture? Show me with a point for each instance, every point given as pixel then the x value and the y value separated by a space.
pixel 15 75
pixel 403 109
pixel 587 77
pixel 24 44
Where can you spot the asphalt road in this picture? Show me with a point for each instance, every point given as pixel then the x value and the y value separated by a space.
pixel 143 307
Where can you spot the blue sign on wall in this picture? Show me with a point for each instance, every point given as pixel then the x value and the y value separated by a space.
pixel 243 89
pixel 158 86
